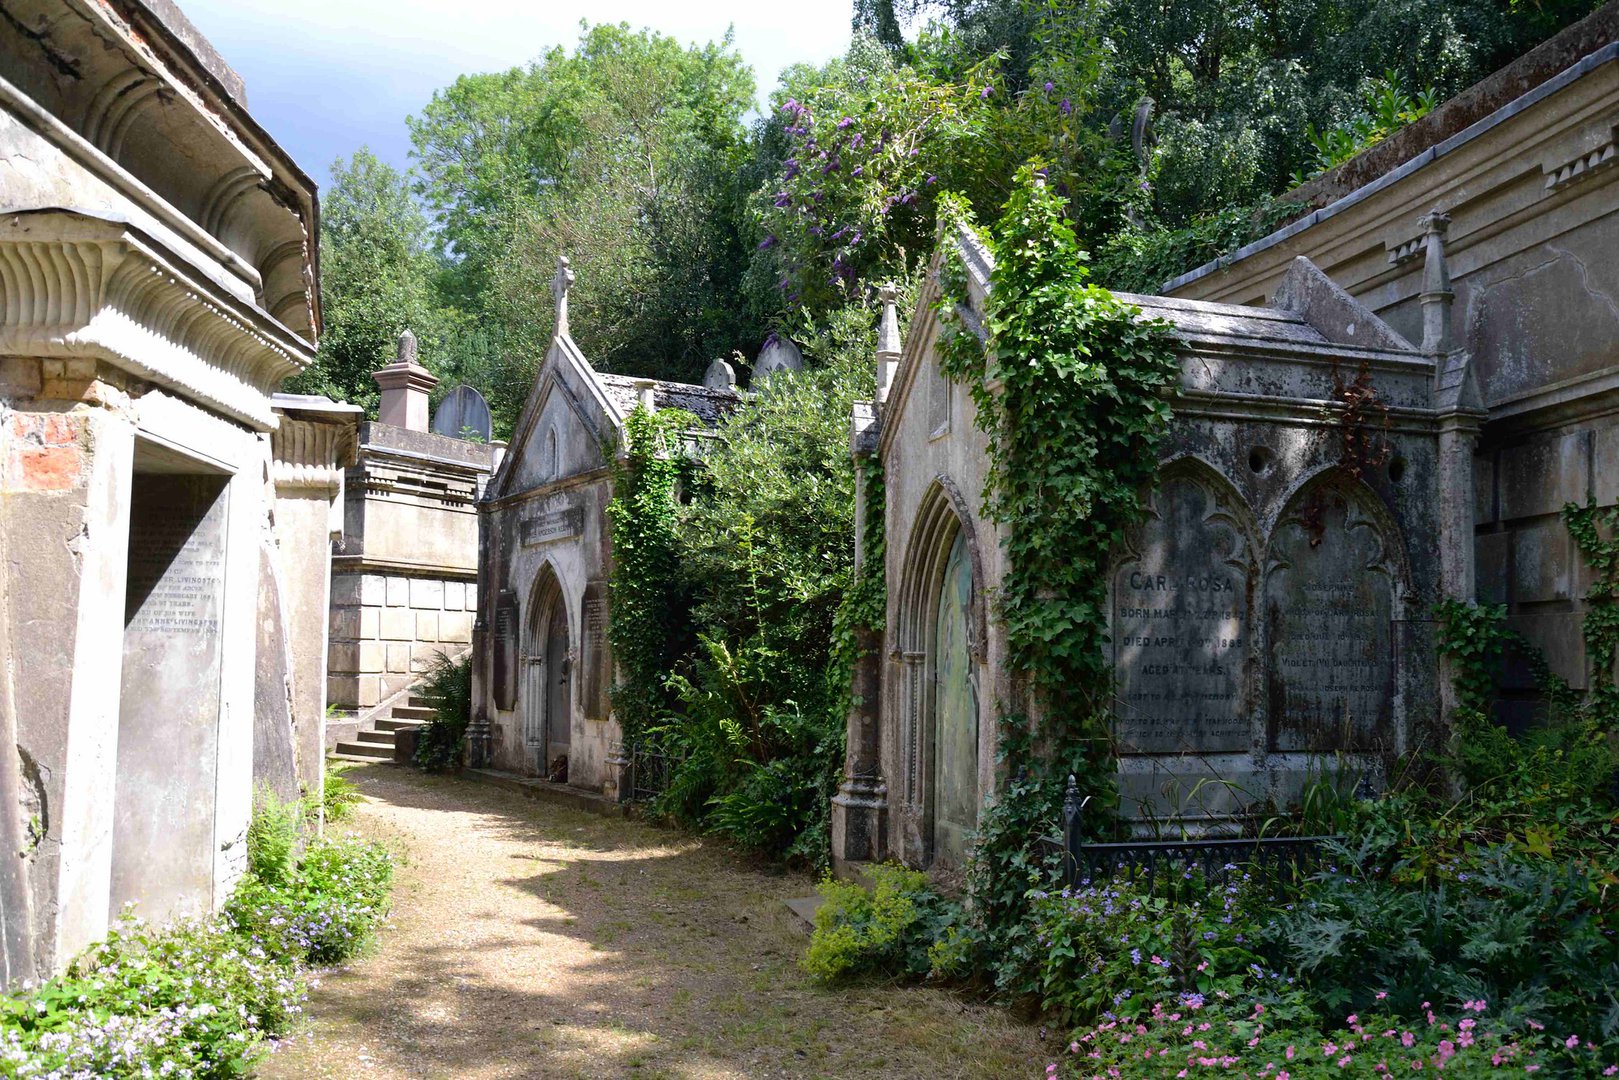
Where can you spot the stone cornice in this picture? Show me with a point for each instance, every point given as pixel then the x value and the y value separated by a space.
pixel 311 455
pixel 76 285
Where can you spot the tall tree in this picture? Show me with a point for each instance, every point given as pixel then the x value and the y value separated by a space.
pixel 378 271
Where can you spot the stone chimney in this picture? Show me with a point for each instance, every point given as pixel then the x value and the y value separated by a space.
pixel 405 385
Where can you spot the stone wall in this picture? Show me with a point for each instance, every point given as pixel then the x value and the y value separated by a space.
pixel 388 628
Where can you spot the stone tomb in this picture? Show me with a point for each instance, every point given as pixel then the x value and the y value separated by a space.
pixel 1270 614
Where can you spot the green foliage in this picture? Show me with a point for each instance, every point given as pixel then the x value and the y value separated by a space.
pixel 339 796
pixel 886 930
pixel 202 998
pixel 323 911
pixel 273 834
pixel 1595 531
pixel 1474 637
pixel 1385 109
pixel 1109 942
pixel 379 270
pixel 627 154
pixel 447 689
pixel 651 600
pixel 764 547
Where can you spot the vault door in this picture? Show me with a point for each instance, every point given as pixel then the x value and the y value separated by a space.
pixel 558 714
pixel 955 697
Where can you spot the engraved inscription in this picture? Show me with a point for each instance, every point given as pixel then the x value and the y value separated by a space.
pixel 595 652
pixel 551 525
pixel 177 570
pixel 1181 626
pixel 1329 602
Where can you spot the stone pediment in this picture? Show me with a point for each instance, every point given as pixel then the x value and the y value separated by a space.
pixel 72 284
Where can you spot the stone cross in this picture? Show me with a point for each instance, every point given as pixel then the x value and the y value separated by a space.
pixel 559 292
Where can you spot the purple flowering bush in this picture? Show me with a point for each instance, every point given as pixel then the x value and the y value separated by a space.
pixel 188 1000
pixel 326 908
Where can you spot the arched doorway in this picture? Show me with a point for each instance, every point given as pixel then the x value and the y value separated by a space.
pixel 547 691
pixel 955 710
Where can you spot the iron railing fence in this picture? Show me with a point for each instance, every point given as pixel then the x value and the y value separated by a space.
pixel 1272 860
pixel 651 766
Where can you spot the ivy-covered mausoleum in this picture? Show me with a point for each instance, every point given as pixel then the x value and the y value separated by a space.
pixel 1270 615
pixel 1417 376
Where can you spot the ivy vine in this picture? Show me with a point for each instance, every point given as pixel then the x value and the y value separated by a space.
pixel 1072 388
pixel 649 607
pixel 1596 533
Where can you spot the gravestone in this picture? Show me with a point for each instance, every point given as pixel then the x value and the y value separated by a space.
pixel 596 653
pixel 163 827
pixel 1329 610
pixel 776 354
pixel 720 376
pixel 463 412
pixel 1181 634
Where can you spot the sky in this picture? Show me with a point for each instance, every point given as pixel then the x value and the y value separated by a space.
pixel 326 76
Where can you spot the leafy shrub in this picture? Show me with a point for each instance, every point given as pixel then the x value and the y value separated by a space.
pixel 192 999
pixel 886 930
pixel 1239 1036
pixel 1105 943
pixel 200 998
pixel 325 910
pixel 1385 108
pixel 272 836
pixel 338 794
pixel 447 689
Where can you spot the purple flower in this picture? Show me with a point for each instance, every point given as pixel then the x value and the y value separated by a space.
pixel 847 121
pixel 1066 107
pixel 988 90
pixel 792 169
pixel 784 199
pixel 1050 86
pixel 792 107
pixel 856 171
pixel 767 242
pixel 831 164
pixel 856 142
pixel 931 179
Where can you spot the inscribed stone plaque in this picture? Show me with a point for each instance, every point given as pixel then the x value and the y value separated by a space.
pixel 1329 599
pixel 596 653
pixel 549 525
pixel 168 721
pixel 1181 626
pixel 505 657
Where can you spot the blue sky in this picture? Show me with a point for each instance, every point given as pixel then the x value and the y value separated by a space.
pixel 325 76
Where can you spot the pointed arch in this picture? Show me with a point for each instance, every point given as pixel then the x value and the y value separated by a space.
pixel 545 695
pixel 1181 617
pixel 1336 592
pixel 940 646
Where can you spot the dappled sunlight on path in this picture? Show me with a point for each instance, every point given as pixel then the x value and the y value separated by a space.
pixel 534 941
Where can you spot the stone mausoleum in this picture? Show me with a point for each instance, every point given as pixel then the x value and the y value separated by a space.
pixel 164 516
pixel 404 576
pixel 543 667
pixel 1408 382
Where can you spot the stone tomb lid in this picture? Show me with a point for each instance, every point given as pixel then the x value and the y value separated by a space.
pixel 706 403
pixel 462 410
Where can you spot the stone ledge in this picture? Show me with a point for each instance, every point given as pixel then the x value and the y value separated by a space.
pixel 545 791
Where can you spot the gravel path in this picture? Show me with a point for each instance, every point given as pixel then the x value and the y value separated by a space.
pixel 533 941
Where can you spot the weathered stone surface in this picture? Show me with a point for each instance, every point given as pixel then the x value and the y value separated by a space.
pixel 1181 634
pixel 163 827
pixel 275 760
pixel 1329 602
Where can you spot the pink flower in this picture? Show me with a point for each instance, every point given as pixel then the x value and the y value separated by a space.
pixel 1572 1041
pixel 1381 994
pixel 1290 1053
pixel 1407 1039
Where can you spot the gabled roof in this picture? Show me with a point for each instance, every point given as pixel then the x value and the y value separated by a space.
pixel 707 404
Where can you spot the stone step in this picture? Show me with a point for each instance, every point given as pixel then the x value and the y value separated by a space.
pixel 368 750
pixel 416 713
pixel 379 738
pixel 396 725
pixel 416 701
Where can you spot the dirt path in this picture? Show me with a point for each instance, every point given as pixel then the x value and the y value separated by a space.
pixel 533 941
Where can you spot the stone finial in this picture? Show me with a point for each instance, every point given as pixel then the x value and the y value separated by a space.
pixel 407 350
pixel 1436 296
pixel 561 281
pixel 888 342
